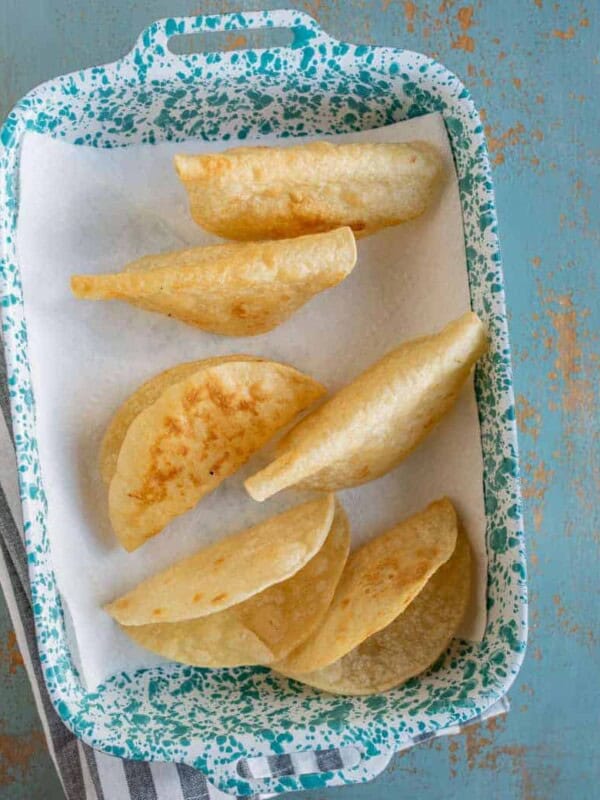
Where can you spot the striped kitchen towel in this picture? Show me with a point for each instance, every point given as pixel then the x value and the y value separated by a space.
pixel 88 774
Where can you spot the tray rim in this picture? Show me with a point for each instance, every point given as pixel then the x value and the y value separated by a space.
pixel 19 121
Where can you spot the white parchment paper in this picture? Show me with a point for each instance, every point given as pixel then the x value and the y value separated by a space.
pixel 89 210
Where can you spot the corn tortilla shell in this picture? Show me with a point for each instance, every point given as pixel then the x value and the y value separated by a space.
pixel 230 570
pixel 198 432
pixel 265 627
pixel 143 397
pixel 250 193
pixel 412 642
pixel 368 427
pixel 379 581
pixel 240 289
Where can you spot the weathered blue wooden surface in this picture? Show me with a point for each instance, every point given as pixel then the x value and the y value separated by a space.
pixel 533 69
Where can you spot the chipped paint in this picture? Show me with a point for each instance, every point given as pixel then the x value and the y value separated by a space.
pixel 568 34
pixel 16 753
pixel 235 41
pixel 463 42
pixel 577 394
pixel 497 144
pixel 475 742
pixel 15 659
pixel 10 656
pixel 410 11
pixel 483 754
pixel 586 637
pixel 464 16
pixel 313 7
pixel 529 418
pixel 536 482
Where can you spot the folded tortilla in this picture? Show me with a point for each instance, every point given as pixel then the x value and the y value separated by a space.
pixel 277 192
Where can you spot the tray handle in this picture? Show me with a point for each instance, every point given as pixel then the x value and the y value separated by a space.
pixel 154 40
pixel 299 770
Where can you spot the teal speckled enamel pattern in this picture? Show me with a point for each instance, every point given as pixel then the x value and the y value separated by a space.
pixel 211 718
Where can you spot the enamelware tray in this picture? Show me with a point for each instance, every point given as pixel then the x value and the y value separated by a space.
pixel 215 719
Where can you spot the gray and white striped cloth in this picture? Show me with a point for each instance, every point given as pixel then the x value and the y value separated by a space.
pixel 88 774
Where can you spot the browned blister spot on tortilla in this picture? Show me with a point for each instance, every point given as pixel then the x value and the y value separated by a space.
pixel 240 310
pixel 173 426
